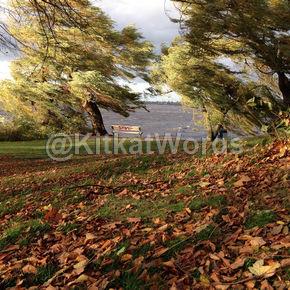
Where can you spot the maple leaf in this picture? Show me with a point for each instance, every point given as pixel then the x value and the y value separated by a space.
pixel 258 269
pixel 53 216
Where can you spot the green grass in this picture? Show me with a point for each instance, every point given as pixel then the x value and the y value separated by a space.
pixel 26 149
pixel 127 281
pixel 56 184
pixel 260 219
pixel 209 233
pixel 38 149
pixel 12 206
pixel 44 274
pixel 115 208
pixel 23 233
pixel 215 201
pixel 68 227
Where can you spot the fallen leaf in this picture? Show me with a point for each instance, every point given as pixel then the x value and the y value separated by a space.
pixel 285 263
pixel 160 252
pixel 204 184
pixel 53 216
pixel 214 257
pixel 258 269
pixel 238 263
pixel 29 269
pixel 81 279
pixel 81 265
pixel 266 286
pixel 89 237
pixel 169 264
pixel 257 242
pixel 134 220
pixel 243 179
pixel 277 230
pixel 126 257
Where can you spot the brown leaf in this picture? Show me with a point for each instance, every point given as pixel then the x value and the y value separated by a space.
pixel 124 192
pixel 134 220
pixel 285 262
pixel 277 230
pixel 238 263
pixel 50 288
pixel 214 257
pixel 169 264
pixel 81 279
pixel 160 252
pixel 53 216
pixel 241 182
pixel 89 237
pixel 250 284
pixel 257 242
pixel 126 257
pixel 29 269
pixel 266 286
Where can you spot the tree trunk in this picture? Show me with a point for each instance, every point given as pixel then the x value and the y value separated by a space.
pixel 95 115
pixel 284 85
pixel 216 133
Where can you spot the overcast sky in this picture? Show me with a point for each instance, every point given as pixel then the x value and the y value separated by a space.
pixel 149 16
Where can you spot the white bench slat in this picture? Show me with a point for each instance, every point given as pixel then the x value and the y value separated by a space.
pixel 128 129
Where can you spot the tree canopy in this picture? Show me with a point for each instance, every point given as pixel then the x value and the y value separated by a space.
pixel 86 67
pixel 46 12
pixel 255 32
pixel 211 86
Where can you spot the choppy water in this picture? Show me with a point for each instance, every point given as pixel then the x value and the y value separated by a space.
pixel 161 119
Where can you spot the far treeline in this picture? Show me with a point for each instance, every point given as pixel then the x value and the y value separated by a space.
pixel 231 61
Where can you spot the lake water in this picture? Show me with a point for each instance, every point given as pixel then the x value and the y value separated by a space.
pixel 162 118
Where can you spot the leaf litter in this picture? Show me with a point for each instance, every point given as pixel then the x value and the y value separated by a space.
pixel 107 236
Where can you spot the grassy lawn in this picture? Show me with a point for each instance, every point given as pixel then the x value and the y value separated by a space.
pixel 38 149
pixel 134 222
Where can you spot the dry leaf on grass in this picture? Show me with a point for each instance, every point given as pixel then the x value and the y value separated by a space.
pixel 258 269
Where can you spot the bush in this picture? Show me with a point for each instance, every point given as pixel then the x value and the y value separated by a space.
pixel 19 130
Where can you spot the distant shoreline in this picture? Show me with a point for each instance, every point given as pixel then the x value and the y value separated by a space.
pixel 162 103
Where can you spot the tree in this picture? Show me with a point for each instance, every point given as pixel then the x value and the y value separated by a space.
pixel 46 11
pixel 257 31
pixel 83 71
pixel 223 96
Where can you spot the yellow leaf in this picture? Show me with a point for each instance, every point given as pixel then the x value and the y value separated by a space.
pixel 89 237
pixel 204 184
pixel 47 207
pixel 81 279
pixel 81 265
pixel 258 269
pixel 204 280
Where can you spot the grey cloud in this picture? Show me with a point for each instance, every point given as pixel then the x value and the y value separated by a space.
pixel 150 16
